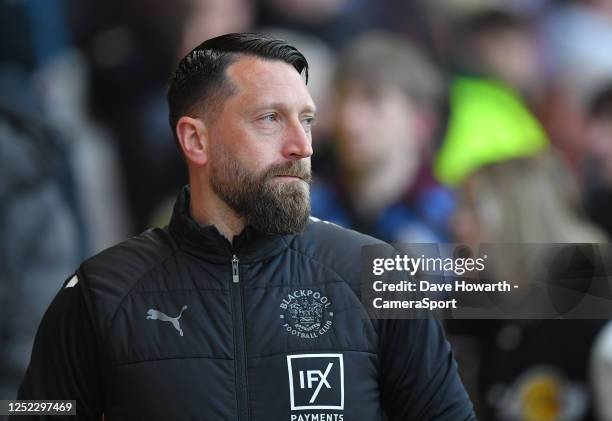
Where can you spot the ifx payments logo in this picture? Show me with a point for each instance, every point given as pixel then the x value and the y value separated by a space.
pixel 306 313
pixel 316 381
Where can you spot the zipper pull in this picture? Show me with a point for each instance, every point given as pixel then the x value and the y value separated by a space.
pixel 235 273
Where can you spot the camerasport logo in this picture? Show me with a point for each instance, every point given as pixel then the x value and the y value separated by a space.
pixel 306 313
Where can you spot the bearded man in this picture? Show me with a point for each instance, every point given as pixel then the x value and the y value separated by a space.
pixel 244 307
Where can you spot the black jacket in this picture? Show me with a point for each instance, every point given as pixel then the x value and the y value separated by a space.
pixel 179 324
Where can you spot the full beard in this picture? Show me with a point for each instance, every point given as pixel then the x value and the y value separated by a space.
pixel 265 204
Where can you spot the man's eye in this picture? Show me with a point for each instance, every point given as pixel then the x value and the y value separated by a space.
pixel 270 118
pixel 308 122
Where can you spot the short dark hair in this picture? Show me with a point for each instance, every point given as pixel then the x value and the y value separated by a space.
pixel 200 79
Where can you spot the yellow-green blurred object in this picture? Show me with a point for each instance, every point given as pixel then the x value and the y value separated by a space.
pixel 488 123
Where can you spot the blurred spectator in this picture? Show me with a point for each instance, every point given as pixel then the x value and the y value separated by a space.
pixel 500 45
pixel 488 123
pixel 130 47
pixel 528 200
pixel 62 85
pixel 57 77
pixel 58 189
pixel 599 160
pixel 523 374
pixel 386 119
pixel 38 236
pixel 497 72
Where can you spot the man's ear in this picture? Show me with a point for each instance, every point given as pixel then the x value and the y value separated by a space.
pixel 192 134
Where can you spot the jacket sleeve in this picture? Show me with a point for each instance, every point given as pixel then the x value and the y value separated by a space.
pixel 419 378
pixel 65 357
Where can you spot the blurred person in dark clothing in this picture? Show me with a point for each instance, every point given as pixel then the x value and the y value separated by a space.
pixel 38 236
pixel 53 85
pixel 131 46
pixel 599 160
pixel 39 233
pixel 388 91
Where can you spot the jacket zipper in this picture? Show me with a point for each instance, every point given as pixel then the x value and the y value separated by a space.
pixel 239 342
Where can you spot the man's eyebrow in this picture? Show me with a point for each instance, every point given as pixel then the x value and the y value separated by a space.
pixel 310 107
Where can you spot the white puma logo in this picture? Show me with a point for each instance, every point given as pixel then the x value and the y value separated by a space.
pixel 158 315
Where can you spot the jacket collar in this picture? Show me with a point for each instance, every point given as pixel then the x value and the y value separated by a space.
pixel 208 243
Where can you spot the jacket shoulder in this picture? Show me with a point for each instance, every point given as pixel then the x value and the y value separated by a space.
pixel 320 231
pixel 338 248
pixel 130 259
pixel 109 276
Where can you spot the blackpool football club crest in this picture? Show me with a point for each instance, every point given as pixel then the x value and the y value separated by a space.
pixel 306 313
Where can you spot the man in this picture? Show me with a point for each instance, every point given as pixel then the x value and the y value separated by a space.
pixel 385 125
pixel 243 308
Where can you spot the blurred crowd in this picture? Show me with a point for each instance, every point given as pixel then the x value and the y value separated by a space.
pixel 472 121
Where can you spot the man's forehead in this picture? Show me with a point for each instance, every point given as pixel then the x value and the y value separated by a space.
pixel 274 78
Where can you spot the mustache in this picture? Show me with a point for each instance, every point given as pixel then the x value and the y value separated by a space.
pixel 299 169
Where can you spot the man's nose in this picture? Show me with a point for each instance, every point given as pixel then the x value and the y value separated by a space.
pixel 297 142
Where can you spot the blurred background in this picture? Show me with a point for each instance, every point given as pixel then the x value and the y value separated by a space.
pixel 440 121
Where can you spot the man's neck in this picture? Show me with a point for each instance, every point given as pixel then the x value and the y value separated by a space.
pixel 208 209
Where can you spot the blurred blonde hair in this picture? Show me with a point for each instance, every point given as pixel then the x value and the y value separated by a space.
pixel 528 200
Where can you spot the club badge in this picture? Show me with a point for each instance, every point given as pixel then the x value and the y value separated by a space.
pixel 306 313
